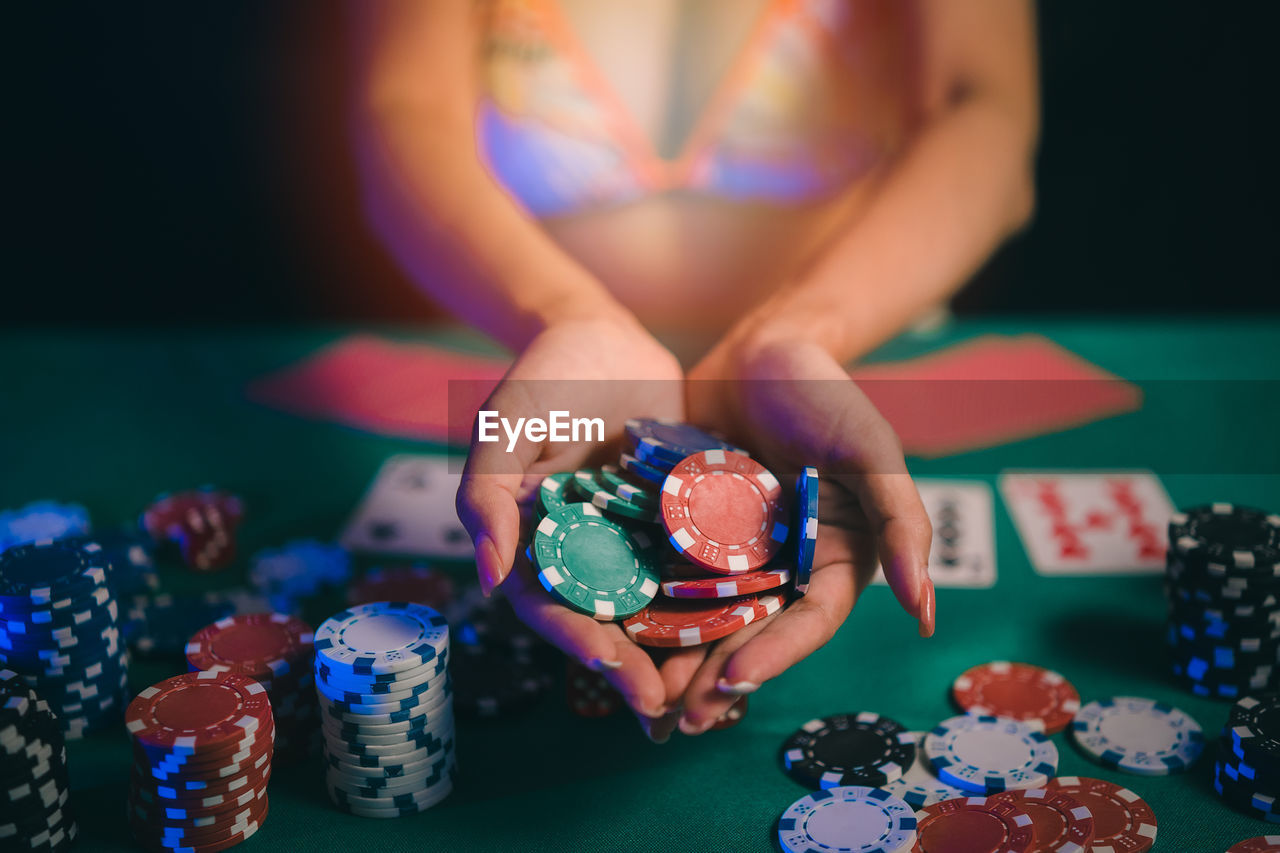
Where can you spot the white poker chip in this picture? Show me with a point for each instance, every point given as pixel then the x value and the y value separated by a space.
pixel 850 819
pixel 918 786
pixel 1138 735
pixel 986 755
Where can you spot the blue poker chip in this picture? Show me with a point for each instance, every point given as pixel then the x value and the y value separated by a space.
pixel 806 526
pixel 42 521
pixel 299 570
pixel 41 573
pixel 644 470
pixel 671 441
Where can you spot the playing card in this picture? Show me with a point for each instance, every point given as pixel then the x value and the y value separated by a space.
pixel 963 552
pixel 1089 522
pixel 409 511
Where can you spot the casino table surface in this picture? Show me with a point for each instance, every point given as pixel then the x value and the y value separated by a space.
pixel 111 418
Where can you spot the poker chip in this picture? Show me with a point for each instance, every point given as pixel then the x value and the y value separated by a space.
pixel 1230 539
pixel 202 747
pixel 593 564
pixel 721 510
pixel 551 494
pixel 1122 820
pixel 806 525
pixel 59 627
pixel 158 625
pixel 298 570
pixel 735 714
pixel 493 682
pixel 202 523
pixel 419 584
pixel 277 651
pixel 1017 690
pixel 1138 735
pixel 1061 822
pixel 918 786
pixel 588 693
pixel 42 521
pixel 850 819
pixel 848 749
pixel 595 491
pixel 672 441
pixel 1258 844
pixel 385 695
pixel 35 812
pixel 731 586
pixel 381 638
pixel 978 823
pixel 676 623
pixel 643 470
pixel 985 755
pixel 641 493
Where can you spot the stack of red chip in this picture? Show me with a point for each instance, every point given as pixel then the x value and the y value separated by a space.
pixel 201 522
pixel 202 746
pixel 415 584
pixel 589 693
pixel 278 652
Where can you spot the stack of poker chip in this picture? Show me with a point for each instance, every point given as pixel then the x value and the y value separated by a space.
pixel 277 651
pixel 35 813
pixel 42 521
pixel 201 523
pixel 59 629
pixel 1222 583
pixel 1246 772
pixel 298 570
pixel 158 625
pixel 499 666
pixel 382 679
pixel 202 745
pixel 685 542
pixel 133 569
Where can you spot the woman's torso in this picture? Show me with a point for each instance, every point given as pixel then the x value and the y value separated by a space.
pixel 692 154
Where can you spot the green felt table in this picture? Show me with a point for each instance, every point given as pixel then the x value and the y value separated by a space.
pixel 111 418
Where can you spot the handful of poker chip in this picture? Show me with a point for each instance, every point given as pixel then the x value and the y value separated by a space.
pixel 687 540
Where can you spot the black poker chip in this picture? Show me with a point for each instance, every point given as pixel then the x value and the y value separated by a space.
pixel 495 681
pixel 848 749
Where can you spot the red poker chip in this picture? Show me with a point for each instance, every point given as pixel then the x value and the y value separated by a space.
pixel 676 623
pixel 146 801
pixel 589 693
pixel 1061 821
pixel 176 791
pixel 1260 844
pixel 1024 692
pixel 202 522
pixel 260 645
pixel 168 833
pixel 727 587
pixel 973 824
pixel 189 754
pixel 724 511
pixel 417 584
pixel 203 710
pixel 1121 819
pixel 733 716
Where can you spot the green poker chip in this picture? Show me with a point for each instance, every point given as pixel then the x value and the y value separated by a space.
pixel 593 564
pixel 552 494
pixel 589 484
pixel 610 476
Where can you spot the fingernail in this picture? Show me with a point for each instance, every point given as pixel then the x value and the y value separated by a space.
pixel 646 726
pixel 600 665
pixel 738 688
pixel 928 606
pixel 689 727
pixel 489 564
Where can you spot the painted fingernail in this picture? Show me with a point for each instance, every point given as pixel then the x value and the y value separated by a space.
pixel 646 726
pixel 489 564
pixel 736 688
pixel 928 606
pixel 600 664
pixel 689 727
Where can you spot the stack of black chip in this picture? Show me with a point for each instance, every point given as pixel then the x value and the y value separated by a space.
pixel 1247 771
pixel 1222 582
pixel 35 813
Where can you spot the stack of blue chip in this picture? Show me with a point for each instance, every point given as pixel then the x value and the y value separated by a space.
pixel 298 570
pixel 42 520
pixel 59 630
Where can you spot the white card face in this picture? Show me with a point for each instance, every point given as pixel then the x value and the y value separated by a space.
pixel 963 552
pixel 409 511
pixel 1090 522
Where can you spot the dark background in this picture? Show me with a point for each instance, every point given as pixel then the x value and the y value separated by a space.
pixel 189 163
